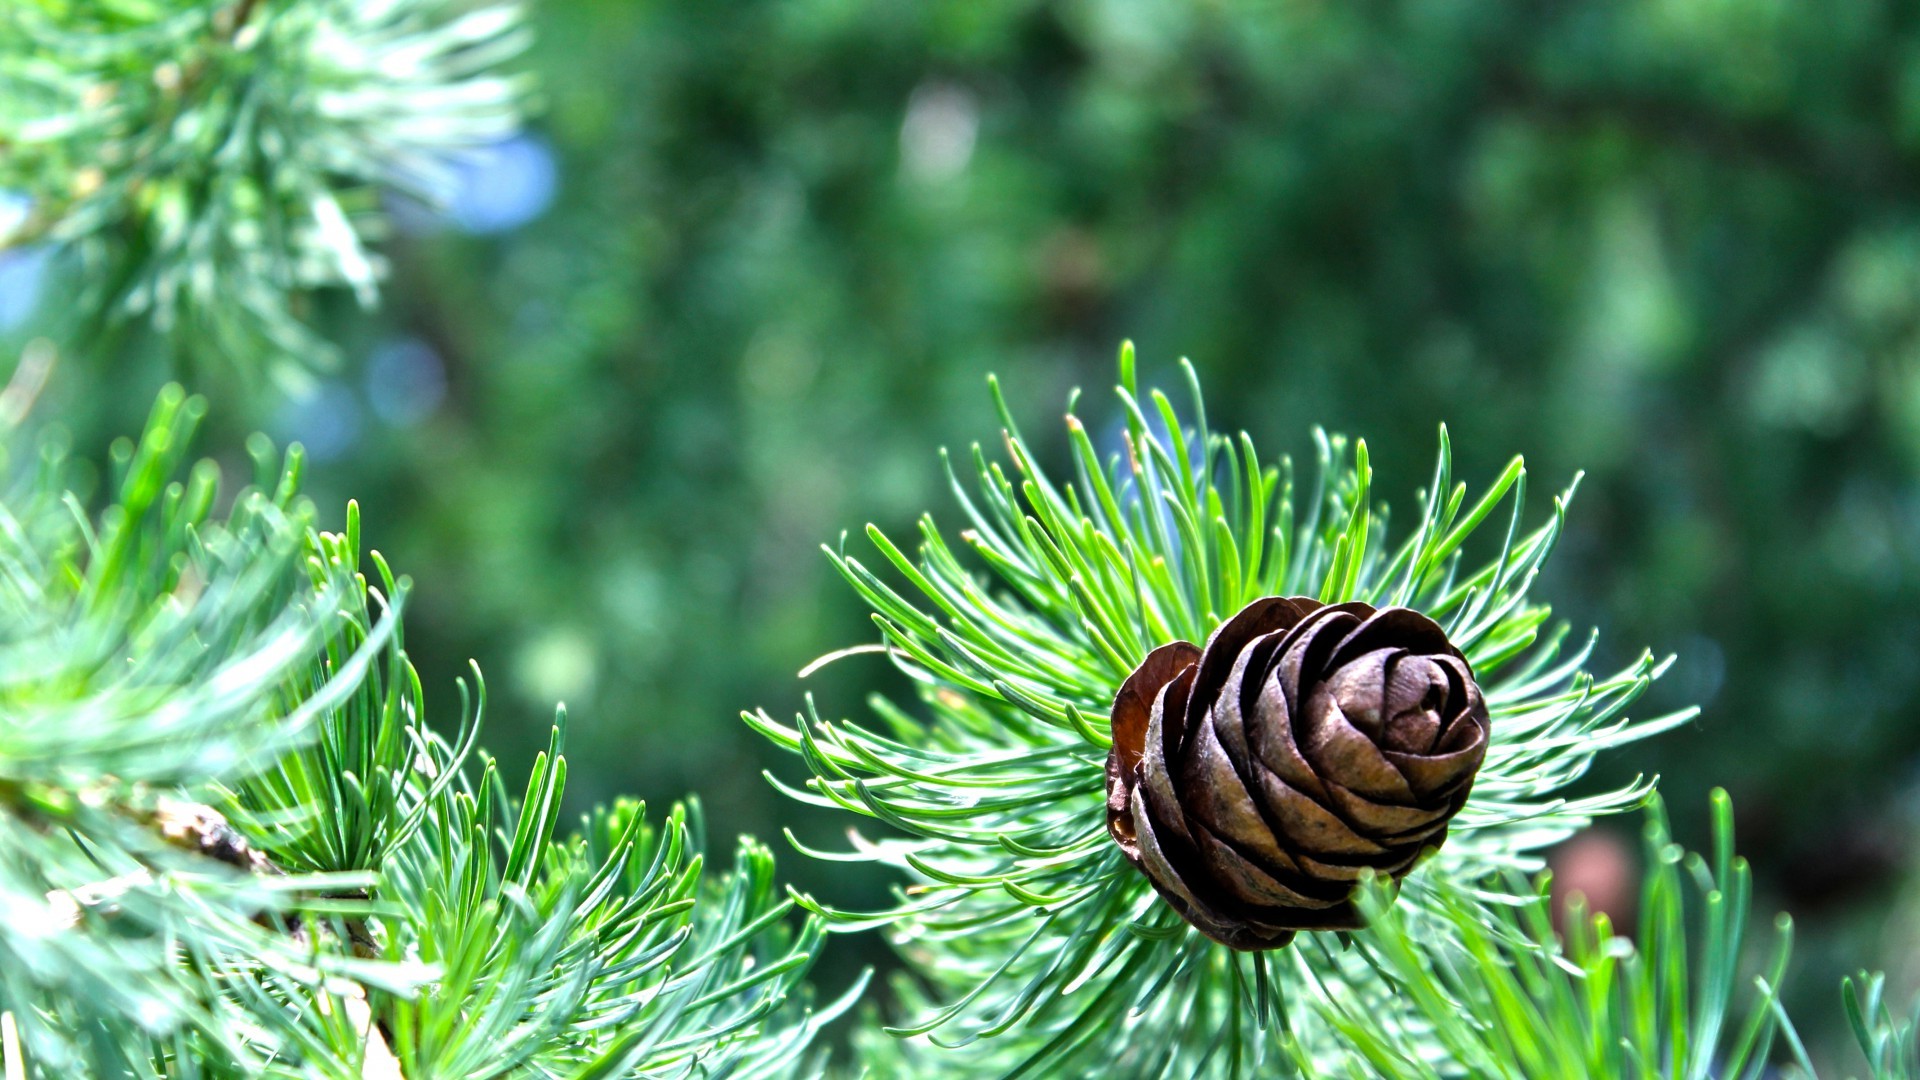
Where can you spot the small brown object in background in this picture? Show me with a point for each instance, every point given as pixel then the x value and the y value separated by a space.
pixel 1254 781
pixel 1602 868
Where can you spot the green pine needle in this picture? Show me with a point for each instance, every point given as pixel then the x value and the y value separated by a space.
pixel 1890 1041
pixel 1516 998
pixel 154 651
pixel 148 650
pixel 604 954
pixel 210 163
pixel 341 802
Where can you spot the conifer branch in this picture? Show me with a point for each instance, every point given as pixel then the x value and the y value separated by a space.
pixel 207 166
pixel 230 844
pixel 146 653
pixel 1525 998
pixel 1031 940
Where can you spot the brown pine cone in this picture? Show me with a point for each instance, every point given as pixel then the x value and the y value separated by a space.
pixel 1254 780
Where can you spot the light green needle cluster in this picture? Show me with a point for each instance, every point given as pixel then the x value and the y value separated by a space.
pixel 1890 1041
pixel 343 801
pixel 603 954
pixel 147 650
pixel 1521 997
pixel 210 164
pixel 1033 941
pixel 365 904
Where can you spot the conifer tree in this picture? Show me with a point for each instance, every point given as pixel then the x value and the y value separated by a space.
pixel 235 840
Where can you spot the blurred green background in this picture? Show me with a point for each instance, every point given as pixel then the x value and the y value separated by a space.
pixel 750 264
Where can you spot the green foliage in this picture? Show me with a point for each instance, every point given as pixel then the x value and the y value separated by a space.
pixel 606 953
pixel 343 801
pixel 1890 1041
pixel 1518 993
pixel 208 163
pixel 147 651
pixel 390 910
pixel 1024 919
pixel 1669 242
pixel 602 955
pixel 1521 998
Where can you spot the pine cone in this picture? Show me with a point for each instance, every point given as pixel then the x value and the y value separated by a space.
pixel 1254 780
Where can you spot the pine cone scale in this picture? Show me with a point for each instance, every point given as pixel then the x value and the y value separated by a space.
pixel 1399 823
pixel 1272 742
pixel 1315 831
pixel 1162 741
pixel 1168 880
pixel 1132 710
pixel 1343 754
pixel 1254 780
pixel 1245 878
